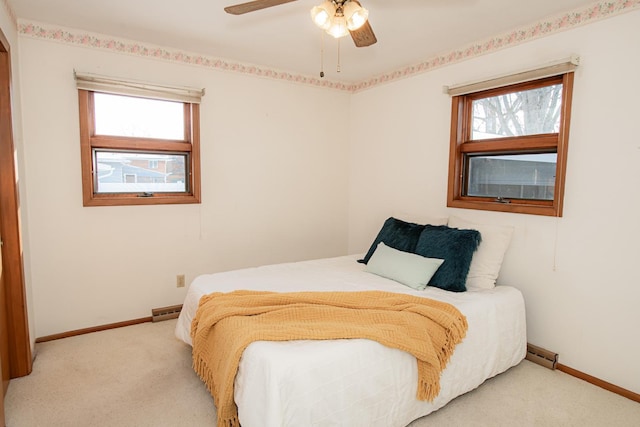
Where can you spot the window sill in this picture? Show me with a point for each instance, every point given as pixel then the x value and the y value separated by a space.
pixel 135 200
pixel 512 207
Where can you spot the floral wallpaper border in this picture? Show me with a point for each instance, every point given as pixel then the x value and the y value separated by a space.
pixel 552 25
pixel 112 44
pixel 597 11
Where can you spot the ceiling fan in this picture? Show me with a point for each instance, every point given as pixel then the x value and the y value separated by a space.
pixel 339 15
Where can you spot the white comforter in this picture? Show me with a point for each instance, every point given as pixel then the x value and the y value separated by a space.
pixel 357 382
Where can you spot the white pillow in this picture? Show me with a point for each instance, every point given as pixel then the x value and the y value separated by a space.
pixel 421 219
pixel 487 260
pixel 409 269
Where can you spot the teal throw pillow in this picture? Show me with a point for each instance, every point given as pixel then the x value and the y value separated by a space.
pixel 396 234
pixel 453 245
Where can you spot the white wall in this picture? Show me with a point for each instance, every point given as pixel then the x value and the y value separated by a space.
pixel 272 188
pixel 578 273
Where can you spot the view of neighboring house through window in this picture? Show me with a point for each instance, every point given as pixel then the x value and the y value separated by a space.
pixel 138 149
pixel 125 172
pixel 508 147
pixel 132 172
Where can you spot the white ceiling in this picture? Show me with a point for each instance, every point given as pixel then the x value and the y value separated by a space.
pixel 284 38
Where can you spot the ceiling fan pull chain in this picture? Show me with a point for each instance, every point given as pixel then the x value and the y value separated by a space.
pixel 322 54
pixel 338 68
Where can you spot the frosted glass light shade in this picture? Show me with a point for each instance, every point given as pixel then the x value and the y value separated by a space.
pixel 338 27
pixel 321 15
pixel 355 15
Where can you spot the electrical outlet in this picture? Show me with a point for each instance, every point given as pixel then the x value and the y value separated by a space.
pixel 180 281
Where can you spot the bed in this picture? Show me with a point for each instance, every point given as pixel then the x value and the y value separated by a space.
pixel 357 382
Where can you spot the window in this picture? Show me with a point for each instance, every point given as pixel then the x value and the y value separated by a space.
pixel 138 147
pixel 509 147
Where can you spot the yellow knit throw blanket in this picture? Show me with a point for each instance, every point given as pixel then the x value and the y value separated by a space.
pixel 226 323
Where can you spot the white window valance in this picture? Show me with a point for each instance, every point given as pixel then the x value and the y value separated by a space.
pixel 554 69
pixel 94 82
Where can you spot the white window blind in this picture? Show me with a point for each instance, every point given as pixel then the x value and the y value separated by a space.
pixel 560 67
pixel 97 83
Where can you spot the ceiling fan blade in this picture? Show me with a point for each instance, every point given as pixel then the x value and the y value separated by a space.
pixel 252 6
pixel 363 36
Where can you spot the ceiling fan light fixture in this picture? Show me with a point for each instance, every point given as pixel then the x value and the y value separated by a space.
pixel 355 15
pixel 338 27
pixel 323 14
pixel 336 17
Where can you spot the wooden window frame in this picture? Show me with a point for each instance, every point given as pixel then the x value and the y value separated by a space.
pixel 461 146
pixel 89 142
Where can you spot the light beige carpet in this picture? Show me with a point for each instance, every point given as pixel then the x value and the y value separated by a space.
pixel 142 376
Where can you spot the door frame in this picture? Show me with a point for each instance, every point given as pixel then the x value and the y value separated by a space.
pixel 20 358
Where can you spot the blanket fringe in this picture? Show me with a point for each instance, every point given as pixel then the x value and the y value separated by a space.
pixel 227 416
pixel 428 382
pixel 228 422
pixel 453 335
pixel 427 391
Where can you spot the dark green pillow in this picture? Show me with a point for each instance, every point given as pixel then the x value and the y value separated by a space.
pixel 455 247
pixel 396 234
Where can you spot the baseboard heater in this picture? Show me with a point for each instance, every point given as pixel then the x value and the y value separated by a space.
pixel 165 313
pixel 542 357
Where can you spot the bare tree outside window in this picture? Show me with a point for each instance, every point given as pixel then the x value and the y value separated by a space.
pixel 508 147
pixel 529 112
